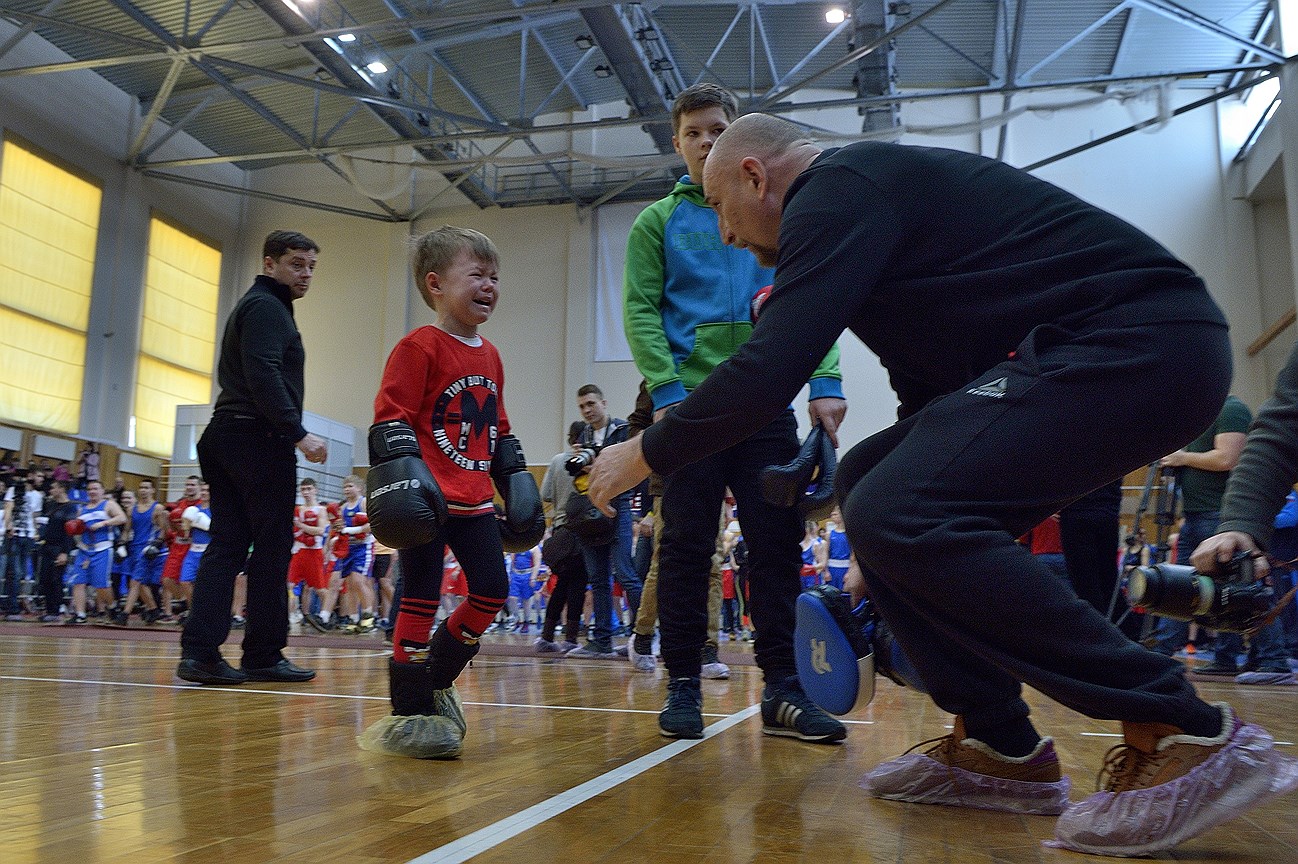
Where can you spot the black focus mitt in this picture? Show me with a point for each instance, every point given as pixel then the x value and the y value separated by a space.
pixel 807 482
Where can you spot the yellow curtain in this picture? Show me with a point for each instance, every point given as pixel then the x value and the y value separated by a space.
pixel 49 223
pixel 177 333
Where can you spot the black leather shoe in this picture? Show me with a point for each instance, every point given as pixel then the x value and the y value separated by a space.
pixel 284 670
pixel 202 672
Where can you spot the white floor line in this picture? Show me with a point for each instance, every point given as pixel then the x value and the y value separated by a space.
pixel 174 655
pixel 493 835
pixel 315 694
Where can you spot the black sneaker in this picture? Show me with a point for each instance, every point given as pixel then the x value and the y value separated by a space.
pixel 787 711
pixel 682 714
pixel 317 623
pixel 1217 670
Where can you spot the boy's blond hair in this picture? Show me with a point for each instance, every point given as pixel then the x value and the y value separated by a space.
pixel 434 251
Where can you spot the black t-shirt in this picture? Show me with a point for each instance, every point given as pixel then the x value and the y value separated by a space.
pixel 941 262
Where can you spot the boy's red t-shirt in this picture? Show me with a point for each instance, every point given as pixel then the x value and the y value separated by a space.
pixel 451 395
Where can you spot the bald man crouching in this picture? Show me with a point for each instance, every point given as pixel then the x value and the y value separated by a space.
pixel 1011 316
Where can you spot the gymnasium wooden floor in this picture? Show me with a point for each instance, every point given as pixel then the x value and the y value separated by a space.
pixel 104 756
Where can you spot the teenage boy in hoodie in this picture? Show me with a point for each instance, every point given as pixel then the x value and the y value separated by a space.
pixel 688 305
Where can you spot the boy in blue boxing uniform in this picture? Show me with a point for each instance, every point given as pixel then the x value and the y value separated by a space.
pixel 94 561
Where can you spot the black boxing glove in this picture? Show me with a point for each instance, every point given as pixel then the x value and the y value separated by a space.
pixel 807 482
pixel 523 524
pixel 404 502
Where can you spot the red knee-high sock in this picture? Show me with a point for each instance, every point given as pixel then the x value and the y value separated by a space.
pixel 472 617
pixel 415 620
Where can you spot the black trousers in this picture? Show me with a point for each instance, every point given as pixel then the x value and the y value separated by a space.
pixel 475 540
pixel 691 504
pixel 252 475
pixel 569 594
pixel 1090 552
pixel 49 578
pixel 933 504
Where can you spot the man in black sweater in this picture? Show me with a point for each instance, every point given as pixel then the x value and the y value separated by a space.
pixel 246 455
pixel 54 548
pixel 1012 317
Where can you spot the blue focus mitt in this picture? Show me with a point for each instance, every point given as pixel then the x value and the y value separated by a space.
pixel 838 649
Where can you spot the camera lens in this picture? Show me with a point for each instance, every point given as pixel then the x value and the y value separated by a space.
pixel 1170 590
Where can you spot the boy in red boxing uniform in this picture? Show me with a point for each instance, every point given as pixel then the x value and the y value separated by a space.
pixel 306 567
pixel 439 440
pixel 172 588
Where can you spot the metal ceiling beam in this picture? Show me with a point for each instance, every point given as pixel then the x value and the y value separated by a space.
pixel 1196 21
pixel 1079 37
pixel 1011 72
pixel 780 108
pixel 212 22
pixel 852 56
pixel 367 95
pixel 1153 121
pixel 756 12
pixel 644 90
pixel 565 82
pixel 167 38
pixel 275 120
pixel 176 127
pixel 397 119
pixel 159 102
pixel 98 63
pixel 811 55
pixel 48 9
pixel 82 29
pixel 875 72
pixel 945 43
pixel 272 196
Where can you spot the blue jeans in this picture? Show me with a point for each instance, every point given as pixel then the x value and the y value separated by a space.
pixel 1266 651
pixel 603 564
pixel 1171 634
pixel 1289 617
pixel 15 562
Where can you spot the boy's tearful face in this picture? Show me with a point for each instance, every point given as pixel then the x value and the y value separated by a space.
pixel 466 293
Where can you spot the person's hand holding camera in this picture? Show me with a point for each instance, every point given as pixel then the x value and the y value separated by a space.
pixel 1221 548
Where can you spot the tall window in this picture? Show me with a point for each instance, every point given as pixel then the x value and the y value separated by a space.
pixel 49 221
pixel 178 333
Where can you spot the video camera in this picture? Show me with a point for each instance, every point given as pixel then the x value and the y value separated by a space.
pixel 1235 601
pixel 582 459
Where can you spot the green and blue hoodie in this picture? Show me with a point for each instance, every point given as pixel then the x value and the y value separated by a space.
pixel 687 298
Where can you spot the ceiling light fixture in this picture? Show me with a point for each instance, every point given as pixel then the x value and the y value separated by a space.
pixel 835 16
pixel 347 37
pixel 585 43
pixel 602 71
pixel 377 67
pixel 647 34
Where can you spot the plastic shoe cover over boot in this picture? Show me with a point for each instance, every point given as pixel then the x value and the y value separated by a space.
pixel 1244 771
pixel 419 736
pixel 965 772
